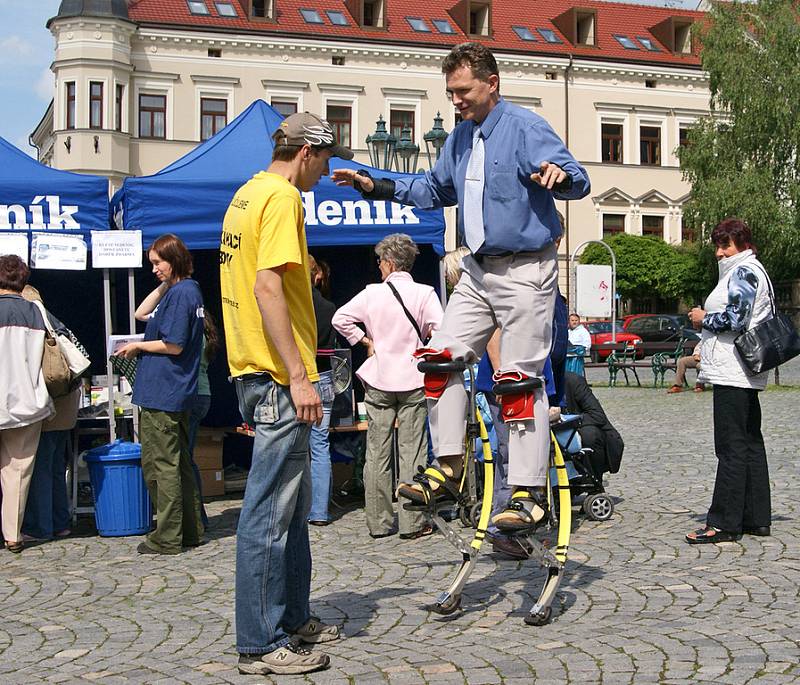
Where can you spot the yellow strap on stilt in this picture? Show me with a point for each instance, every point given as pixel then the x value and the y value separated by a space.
pixel 488 484
pixel 564 502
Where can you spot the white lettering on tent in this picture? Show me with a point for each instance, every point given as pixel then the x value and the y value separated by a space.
pixel 329 213
pixel 355 212
pixel 20 217
pixel 61 218
pixel 364 209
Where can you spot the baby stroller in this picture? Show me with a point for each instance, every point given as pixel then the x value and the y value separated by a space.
pixel 583 481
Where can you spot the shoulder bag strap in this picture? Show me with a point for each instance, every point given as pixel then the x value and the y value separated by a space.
pixel 407 313
pixel 773 304
pixel 48 326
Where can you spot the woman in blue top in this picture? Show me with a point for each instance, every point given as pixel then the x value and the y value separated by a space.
pixel 165 389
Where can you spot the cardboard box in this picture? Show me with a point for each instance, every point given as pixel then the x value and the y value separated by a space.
pixel 213 482
pixel 208 449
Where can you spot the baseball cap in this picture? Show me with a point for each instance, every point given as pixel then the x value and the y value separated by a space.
pixel 304 128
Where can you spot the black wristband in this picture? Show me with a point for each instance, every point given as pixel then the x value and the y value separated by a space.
pixel 383 190
pixel 565 186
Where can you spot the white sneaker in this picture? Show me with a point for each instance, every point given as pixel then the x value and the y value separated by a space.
pixel 289 660
pixel 315 631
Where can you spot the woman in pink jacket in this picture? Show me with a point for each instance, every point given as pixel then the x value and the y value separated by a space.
pixel 395 314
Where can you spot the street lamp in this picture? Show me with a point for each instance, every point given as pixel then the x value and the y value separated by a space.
pixel 381 146
pixel 435 139
pixel 407 151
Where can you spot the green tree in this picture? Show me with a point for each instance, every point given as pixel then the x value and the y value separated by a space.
pixel 648 266
pixel 744 160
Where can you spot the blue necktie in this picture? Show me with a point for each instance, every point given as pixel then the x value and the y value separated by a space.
pixel 473 194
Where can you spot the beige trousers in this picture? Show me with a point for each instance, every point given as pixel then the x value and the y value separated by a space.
pixel 516 293
pixel 382 410
pixel 17 451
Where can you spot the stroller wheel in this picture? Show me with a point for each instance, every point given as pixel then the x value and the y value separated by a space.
pixel 475 514
pixel 598 507
pixel 464 517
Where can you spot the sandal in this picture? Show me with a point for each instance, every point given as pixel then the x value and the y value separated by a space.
pixel 15 547
pixel 527 509
pixel 421 533
pixel 711 535
pixel 421 491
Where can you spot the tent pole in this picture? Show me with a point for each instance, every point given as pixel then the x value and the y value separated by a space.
pixel 112 426
pixel 442 284
pixel 132 327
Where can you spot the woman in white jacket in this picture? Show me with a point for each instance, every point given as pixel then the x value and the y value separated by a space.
pixel 739 302
pixel 24 401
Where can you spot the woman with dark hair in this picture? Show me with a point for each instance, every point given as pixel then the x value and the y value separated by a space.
pixel 740 301
pixel 24 400
pixel 165 389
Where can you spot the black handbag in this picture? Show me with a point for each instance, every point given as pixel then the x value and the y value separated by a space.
pixel 770 343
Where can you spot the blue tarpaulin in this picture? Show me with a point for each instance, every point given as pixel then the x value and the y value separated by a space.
pixel 35 197
pixel 190 196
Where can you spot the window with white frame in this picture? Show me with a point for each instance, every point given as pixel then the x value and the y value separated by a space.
pixel 653 226
pixel 399 119
pixel 95 104
pixel 650 145
pixel 284 105
pixel 611 142
pixel 152 116
pixel 213 116
pixel 613 224
pixel 340 117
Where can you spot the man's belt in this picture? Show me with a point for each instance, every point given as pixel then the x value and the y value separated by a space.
pixel 258 376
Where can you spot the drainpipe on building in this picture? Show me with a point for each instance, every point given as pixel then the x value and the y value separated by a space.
pixel 38 151
pixel 567 72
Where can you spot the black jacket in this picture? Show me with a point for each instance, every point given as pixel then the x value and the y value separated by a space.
pixel 579 399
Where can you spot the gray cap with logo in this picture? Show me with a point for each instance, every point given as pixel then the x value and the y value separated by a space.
pixel 305 128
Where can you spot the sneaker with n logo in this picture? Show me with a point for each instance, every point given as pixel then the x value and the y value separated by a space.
pixel 314 631
pixel 289 660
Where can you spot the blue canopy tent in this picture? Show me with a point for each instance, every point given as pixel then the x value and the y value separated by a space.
pixel 190 196
pixel 35 197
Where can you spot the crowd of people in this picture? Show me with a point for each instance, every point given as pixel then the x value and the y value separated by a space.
pixel 504 167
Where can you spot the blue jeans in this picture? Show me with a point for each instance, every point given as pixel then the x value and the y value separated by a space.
pixel 273 557
pixel 321 453
pixel 198 411
pixel 47 508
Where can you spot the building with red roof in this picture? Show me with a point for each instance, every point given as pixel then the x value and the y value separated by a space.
pixel 139 83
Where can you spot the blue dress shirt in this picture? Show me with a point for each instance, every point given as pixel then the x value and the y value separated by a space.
pixel 518 214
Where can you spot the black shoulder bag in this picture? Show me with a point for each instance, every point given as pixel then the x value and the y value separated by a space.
pixel 770 343
pixel 407 313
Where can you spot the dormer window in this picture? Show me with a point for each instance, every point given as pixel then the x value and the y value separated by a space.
pixel 584 28
pixel 262 9
pixel 579 26
pixel 367 13
pixel 479 19
pixel 675 33
pixel 683 38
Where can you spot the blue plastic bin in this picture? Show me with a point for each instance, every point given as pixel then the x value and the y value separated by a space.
pixel 121 500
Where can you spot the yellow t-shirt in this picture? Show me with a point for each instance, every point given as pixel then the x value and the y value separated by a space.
pixel 263 229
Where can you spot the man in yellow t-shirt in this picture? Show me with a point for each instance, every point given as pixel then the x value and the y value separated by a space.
pixel 271 337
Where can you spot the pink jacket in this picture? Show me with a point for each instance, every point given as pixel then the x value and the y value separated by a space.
pixel 391 368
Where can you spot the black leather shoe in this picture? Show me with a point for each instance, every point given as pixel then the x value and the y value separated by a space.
pixel 761 531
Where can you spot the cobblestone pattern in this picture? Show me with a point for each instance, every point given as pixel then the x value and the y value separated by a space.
pixel 637 605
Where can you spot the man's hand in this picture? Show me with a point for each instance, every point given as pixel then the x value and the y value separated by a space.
pixel 350 177
pixel 548 175
pixel 554 414
pixel 307 403
pixel 129 351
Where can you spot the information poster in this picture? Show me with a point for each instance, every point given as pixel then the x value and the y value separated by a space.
pixel 116 249
pixel 593 289
pixel 14 243
pixel 62 252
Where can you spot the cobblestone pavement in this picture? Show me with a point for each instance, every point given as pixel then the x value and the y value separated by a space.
pixel 637 605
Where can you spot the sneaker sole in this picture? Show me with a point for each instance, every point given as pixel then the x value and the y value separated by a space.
pixel 318 639
pixel 260 668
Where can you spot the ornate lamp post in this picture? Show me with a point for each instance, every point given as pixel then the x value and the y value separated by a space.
pixel 408 152
pixel 381 145
pixel 434 140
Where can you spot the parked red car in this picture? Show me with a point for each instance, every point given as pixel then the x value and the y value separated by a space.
pixel 600 331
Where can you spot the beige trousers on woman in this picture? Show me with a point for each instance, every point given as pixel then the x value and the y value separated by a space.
pixel 412 442
pixel 17 450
